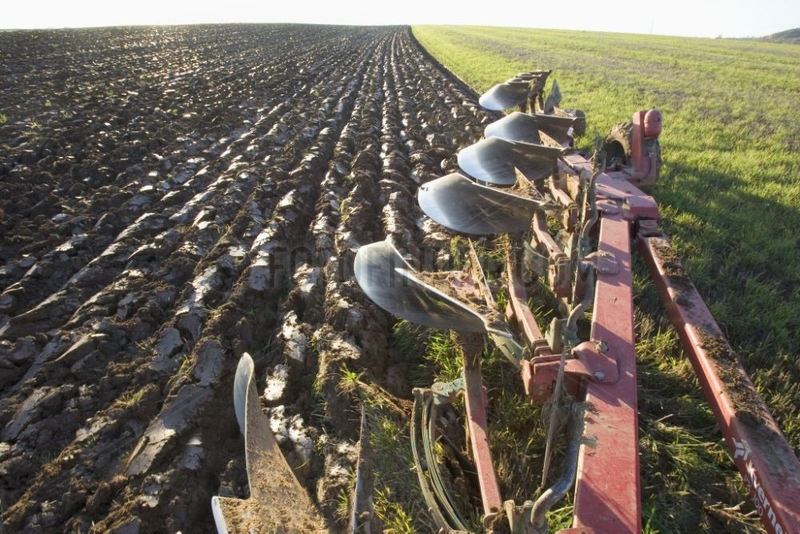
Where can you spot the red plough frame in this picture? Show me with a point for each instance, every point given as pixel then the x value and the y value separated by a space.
pixel 602 457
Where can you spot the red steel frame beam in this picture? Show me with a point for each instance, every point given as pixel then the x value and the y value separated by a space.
pixel 608 487
pixel 475 399
pixel 521 313
pixel 763 457
pixel 607 490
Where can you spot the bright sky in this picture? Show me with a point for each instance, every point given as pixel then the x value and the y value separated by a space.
pixel 692 18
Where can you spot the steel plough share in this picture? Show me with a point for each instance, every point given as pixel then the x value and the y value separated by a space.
pixel 572 220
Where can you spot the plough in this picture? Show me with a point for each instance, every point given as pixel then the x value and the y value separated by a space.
pixel 573 222
pixel 521 177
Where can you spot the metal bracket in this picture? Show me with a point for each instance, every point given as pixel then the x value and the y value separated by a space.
pixel 603 262
pixel 445 393
pixel 519 516
pixel 534 261
pixel 648 228
pixel 610 207
pixel 559 276
pixel 590 360
pixel 556 269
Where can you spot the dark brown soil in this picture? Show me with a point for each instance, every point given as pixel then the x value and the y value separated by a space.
pixel 676 274
pixel 170 198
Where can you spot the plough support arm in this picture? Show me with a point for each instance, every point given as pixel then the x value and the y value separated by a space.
pixel 765 460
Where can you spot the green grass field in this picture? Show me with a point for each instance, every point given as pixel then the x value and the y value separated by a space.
pixel 730 200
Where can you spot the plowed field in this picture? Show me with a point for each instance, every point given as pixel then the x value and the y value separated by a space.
pixel 171 198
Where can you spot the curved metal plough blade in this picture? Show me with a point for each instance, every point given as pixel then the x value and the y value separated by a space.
pixel 494 160
pixel 525 127
pixel 438 300
pixel 462 205
pixel 505 95
pixel 516 126
pixel 272 481
pixel 515 91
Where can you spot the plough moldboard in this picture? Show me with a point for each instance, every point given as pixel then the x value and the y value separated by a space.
pixel 523 173
pixel 517 184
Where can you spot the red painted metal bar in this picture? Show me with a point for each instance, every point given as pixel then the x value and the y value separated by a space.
pixel 607 491
pixel 542 233
pixel 763 457
pixel 517 301
pixel 475 399
pixel 559 272
pixel 569 217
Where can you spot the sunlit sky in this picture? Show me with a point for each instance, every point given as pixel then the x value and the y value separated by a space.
pixel 692 18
